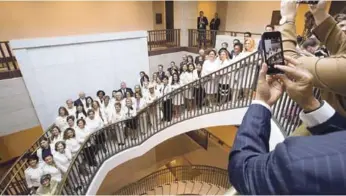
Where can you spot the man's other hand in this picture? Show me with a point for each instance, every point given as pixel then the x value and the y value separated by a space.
pixel 269 90
pixel 298 84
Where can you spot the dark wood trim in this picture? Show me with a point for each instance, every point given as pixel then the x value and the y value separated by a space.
pixel 8 59
pixel 10 74
pixel 171 50
pixel 9 162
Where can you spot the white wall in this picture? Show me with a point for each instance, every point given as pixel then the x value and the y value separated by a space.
pixel 165 60
pixel 185 17
pixel 16 110
pixel 253 17
pixel 55 69
pixel 229 117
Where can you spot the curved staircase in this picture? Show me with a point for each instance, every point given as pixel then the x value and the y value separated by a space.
pixel 284 115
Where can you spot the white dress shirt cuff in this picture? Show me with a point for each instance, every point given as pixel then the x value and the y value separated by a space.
pixel 262 103
pixel 318 116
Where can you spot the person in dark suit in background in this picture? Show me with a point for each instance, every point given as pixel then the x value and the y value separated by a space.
pixel 123 89
pixel 214 27
pixel 202 23
pixel 81 100
pixel 313 165
pixel 160 72
pixel 269 28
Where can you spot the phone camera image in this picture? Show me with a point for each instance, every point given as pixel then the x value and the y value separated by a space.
pixel 273 51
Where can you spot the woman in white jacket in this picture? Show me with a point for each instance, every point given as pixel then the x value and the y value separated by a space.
pixel 211 65
pixel 108 109
pixel 118 115
pixel 61 120
pixel 154 111
pixel 131 122
pixel 178 98
pixel 140 104
pixel 62 156
pixel 186 77
pixel 94 124
pixel 225 84
pixel 83 133
pixel 99 112
pixel 33 173
pixel 56 135
pixel 198 90
pixel 72 142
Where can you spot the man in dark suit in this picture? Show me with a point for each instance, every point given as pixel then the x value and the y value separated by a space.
pixel 123 89
pixel 81 100
pixel 269 28
pixel 160 73
pixel 299 165
pixel 202 23
pixel 214 27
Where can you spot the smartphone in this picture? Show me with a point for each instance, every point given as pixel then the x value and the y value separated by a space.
pixel 273 51
pixel 307 2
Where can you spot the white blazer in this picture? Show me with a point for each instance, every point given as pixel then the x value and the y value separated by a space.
pixel 82 134
pixel 158 89
pixel 116 117
pixel 101 115
pixel 166 90
pixel 140 105
pixel 108 110
pixel 94 125
pixel 210 67
pixel 128 113
pixel 225 74
pixel 53 171
pixel 63 160
pixel 150 98
pixel 195 75
pixel 56 139
pixel 61 122
pixel 73 145
pixel 33 176
pixel 100 102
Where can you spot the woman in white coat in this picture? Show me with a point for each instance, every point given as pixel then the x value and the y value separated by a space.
pixel 94 124
pixel 33 173
pixel 131 122
pixel 211 65
pixel 178 98
pixel 225 83
pixel 62 156
pixel 186 77
pixel 83 133
pixel 118 115
pixel 154 111
pixel 142 117
pixel 56 135
pixel 61 120
pixel 108 109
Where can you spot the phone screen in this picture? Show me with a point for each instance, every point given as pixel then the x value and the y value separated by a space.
pixel 273 52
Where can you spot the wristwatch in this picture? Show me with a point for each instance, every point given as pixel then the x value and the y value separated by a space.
pixel 284 21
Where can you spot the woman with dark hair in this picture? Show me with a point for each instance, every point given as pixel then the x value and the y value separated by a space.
pixel 189 59
pixel 82 134
pixel 80 112
pixel 128 96
pixel 224 94
pixel 45 148
pixel 71 141
pixel 71 122
pixel 100 96
pixel 198 91
pixel 89 103
pixel 62 156
pixel 177 99
pixel 167 101
pixel 94 124
pixel 143 79
pixel 211 65
pixel 33 173
pixel 61 120
pixel 186 78
pixel 99 113
pixel 56 135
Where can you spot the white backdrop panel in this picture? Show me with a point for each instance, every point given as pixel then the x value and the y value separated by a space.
pixel 56 69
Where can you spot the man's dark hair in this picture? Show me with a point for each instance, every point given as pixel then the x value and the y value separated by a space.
pixel 310 42
pixel 201 12
pixel 248 33
pixel 160 66
pixel 240 46
pixel 271 26
pixel 225 44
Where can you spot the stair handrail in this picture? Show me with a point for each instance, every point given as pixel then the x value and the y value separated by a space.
pixel 184 173
pixel 243 65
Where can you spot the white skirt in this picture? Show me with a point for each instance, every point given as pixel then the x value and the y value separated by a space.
pixel 211 87
pixel 188 93
pixel 178 99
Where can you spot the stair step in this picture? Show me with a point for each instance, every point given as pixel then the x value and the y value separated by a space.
pixel 159 190
pixel 151 192
pixel 174 188
pixel 181 187
pixel 196 188
pixel 221 191
pixel 205 188
pixel 166 189
pixel 188 187
pixel 213 190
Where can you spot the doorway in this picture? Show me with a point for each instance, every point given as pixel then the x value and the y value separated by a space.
pixel 169 6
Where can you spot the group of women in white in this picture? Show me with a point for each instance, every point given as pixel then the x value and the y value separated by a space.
pixel 80 118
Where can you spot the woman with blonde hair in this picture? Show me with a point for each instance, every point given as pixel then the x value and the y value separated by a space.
pixel 249 45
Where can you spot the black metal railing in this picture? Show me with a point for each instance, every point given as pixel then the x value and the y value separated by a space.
pixel 239 78
pixel 163 39
pixel 207 38
pixel 200 173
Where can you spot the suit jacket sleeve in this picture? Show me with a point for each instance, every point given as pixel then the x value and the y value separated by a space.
pixel 217 23
pixel 205 21
pixel 252 168
pixel 329 73
pixel 197 22
pixel 334 124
